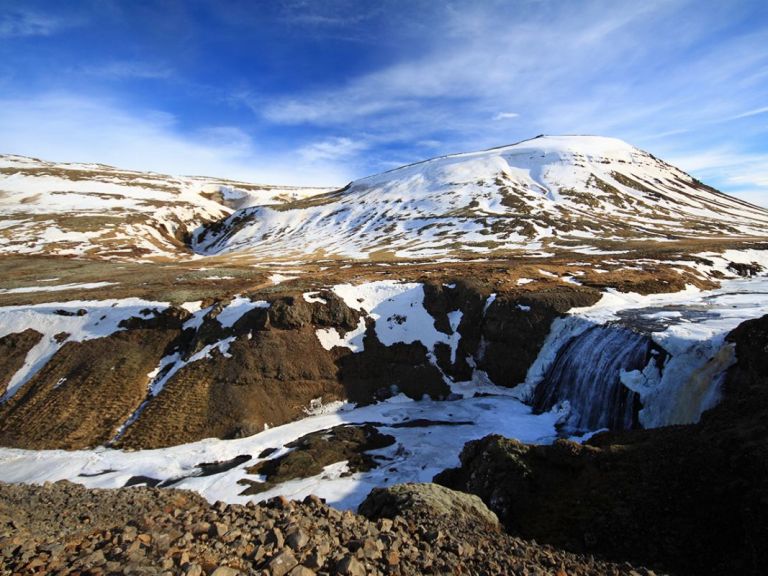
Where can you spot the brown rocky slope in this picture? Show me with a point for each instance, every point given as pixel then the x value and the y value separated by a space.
pixel 273 368
pixel 65 529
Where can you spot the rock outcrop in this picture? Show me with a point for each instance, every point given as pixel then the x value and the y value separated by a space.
pixel 175 380
pixel 429 502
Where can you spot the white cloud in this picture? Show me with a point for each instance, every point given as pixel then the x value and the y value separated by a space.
pixel 750 113
pixel 756 197
pixel 339 148
pixel 743 174
pixel 64 127
pixel 648 72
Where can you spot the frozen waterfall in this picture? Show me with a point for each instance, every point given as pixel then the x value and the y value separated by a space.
pixel 587 373
pixel 644 361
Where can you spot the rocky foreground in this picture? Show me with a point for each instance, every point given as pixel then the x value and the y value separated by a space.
pixel 63 528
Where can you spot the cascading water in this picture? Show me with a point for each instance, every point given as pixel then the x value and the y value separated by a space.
pixel 587 374
pixel 622 365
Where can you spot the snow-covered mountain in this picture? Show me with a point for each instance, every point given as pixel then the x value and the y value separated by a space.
pixel 582 193
pixel 548 192
pixel 101 211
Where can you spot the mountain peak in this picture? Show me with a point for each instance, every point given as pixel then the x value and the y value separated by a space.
pixel 541 194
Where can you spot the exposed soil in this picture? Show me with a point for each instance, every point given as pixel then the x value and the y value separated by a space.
pixel 85 392
pixel 13 352
pixel 180 281
pixel 266 377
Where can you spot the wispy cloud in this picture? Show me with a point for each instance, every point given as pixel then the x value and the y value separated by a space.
pixel 125 69
pixel 506 115
pixel 20 21
pixel 335 149
pixel 751 113
pixel 67 127
pixel 745 174
pixel 256 89
pixel 648 72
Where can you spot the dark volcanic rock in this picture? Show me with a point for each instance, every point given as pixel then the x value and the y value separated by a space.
pixel 745 270
pixel 514 330
pixel 170 318
pixel 313 452
pixel 693 499
pixel 380 371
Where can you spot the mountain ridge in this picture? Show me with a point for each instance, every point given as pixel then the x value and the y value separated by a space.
pixel 534 195
pixel 589 194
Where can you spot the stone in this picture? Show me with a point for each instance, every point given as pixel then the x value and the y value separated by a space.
pixel 225 571
pixel 384 524
pixel 219 529
pixel 96 558
pixel 297 539
pixel 276 537
pixel 201 528
pixel 194 570
pixel 130 533
pixel 301 571
pixel 430 499
pixel 371 549
pixel 393 558
pixel 351 566
pixel 315 560
pixel 283 563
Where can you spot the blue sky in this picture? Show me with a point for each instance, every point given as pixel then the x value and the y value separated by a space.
pixel 321 92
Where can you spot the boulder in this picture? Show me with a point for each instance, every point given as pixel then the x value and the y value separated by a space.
pixel 427 500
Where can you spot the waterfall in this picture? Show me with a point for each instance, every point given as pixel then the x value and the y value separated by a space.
pixel 587 374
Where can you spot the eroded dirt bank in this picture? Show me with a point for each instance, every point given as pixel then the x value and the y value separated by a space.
pixel 232 378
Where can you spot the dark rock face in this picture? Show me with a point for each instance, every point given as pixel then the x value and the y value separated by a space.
pixel 13 352
pixel 514 330
pixel 380 371
pixel 171 318
pixel 745 270
pixel 692 499
pixel 505 337
pixel 64 528
pixel 271 368
pixel 290 312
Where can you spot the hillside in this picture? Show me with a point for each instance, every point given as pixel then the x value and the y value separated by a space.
pixel 99 211
pixel 579 193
